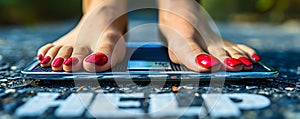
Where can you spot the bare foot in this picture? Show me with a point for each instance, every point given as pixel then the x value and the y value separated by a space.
pixel 90 45
pixel 187 46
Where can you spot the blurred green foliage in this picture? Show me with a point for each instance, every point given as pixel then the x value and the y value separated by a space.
pixel 33 11
pixel 253 10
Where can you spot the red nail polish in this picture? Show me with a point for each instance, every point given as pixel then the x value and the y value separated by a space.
pixel 256 57
pixel 206 61
pixel 232 62
pixel 46 60
pixel 245 61
pixel 98 59
pixel 40 57
pixel 71 61
pixel 58 62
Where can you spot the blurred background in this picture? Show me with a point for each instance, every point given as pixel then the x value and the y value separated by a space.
pixel 31 12
pixel 271 27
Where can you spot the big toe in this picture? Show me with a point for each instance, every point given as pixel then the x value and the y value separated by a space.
pixel 109 51
pixel 193 57
pixel 97 62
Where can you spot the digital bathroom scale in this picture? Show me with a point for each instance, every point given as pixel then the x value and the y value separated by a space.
pixel 146 61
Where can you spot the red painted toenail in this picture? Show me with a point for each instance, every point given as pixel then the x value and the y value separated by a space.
pixel 206 61
pixel 232 62
pixel 71 61
pixel 40 57
pixel 58 62
pixel 245 61
pixel 98 59
pixel 46 60
pixel 256 57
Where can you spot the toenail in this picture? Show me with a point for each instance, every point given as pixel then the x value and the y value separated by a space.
pixel 206 61
pixel 232 62
pixel 46 60
pixel 40 57
pixel 98 59
pixel 245 61
pixel 71 61
pixel 256 57
pixel 58 62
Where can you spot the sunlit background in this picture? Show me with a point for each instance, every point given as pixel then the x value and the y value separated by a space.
pixel 31 12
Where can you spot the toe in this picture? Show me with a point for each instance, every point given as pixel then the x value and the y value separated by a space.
pixel 206 61
pixel 238 57
pixel 97 62
pixel 63 53
pixel 109 51
pixel 192 56
pixel 43 50
pixel 229 63
pixel 248 65
pixel 48 58
pixel 75 61
pixel 233 64
pixel 250 52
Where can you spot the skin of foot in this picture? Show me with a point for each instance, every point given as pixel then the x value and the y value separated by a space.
pixel 95 44
pixel 177 22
